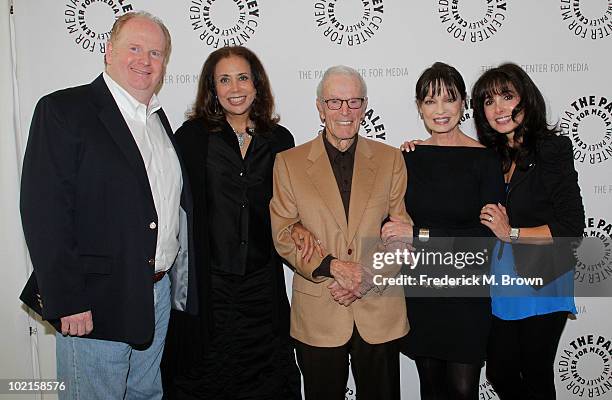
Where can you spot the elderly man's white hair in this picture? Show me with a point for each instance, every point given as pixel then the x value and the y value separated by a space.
pixel 341 70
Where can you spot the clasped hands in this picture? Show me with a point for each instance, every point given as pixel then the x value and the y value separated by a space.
pixel 351 280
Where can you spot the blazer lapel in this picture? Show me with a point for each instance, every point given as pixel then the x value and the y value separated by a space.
pixel 322 177
pixel 519 175
pixel 113 121
pixel 364 175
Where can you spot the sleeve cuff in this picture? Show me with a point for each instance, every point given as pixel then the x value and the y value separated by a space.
pixel 323 270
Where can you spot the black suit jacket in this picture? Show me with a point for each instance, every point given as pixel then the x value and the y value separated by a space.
pixel 87 213
pixel 546 192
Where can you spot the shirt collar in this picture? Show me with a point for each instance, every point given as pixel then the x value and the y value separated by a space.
pixel 127 102
pixel 333 152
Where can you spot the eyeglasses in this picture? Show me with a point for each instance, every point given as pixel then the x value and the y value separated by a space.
pixel 336 104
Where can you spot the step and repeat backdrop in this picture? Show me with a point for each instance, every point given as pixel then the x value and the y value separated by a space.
pixel 564 45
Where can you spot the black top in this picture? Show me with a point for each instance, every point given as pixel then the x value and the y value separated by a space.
pixel 447 187
pixel 342 163
pixel 238 193
pixel 546 192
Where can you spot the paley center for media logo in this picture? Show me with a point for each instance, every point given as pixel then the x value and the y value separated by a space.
pixel 583 366
pixel 472 21
pixel 348 22
pixel 89 22
pixel 587 19
pixel 220 23
pixel 594 255
pixel 587 121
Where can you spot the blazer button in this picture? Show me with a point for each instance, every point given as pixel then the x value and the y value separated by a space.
pixel 350 251
pixel 152 262
pixel 152 225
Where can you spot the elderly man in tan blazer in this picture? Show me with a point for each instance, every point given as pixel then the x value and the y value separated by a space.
pixel 339 188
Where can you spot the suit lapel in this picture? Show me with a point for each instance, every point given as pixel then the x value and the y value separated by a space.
pixel 322 177
pixel 117 128
pixel 364 174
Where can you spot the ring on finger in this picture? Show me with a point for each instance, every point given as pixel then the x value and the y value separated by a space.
pixel 491 219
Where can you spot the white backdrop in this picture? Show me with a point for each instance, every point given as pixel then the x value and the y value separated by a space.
pixel 564 45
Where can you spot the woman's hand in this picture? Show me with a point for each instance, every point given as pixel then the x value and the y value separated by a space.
pixel 396 230
pixel 410 145
pixel 306 242
pixel 494 217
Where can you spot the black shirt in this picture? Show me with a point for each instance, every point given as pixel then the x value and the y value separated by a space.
pixel 342 163
pixel 238 193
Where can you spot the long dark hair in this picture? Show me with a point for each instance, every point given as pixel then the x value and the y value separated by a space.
pixel 207 105
pixel 437 77
pixel 534 125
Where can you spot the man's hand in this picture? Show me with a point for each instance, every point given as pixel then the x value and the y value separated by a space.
pixel 342 296
pixel 396 230
pixel 348 274
pixel 306 242
pixel 77 324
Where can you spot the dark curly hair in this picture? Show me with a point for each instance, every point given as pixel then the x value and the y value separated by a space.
pixel 207 105
pixel 534 126
pixel 437 77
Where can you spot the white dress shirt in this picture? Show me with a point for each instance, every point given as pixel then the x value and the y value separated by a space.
pixel 162 165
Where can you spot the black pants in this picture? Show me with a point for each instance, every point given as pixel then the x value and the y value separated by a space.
pixel 447 380
pixel 375 369
pixel 521 355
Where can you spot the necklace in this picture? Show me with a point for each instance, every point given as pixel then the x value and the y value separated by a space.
pixel 241 136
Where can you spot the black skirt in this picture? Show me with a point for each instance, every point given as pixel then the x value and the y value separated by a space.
pixel 448 330
pixel 249 356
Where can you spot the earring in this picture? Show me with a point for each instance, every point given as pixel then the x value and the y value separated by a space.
pixel 216 108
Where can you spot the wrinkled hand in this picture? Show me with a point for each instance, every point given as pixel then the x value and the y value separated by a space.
pixel 342 296
pixel 494 217
pixel 306 242
pixel 348 274
pixel 396 230
pixel 77 324
pixel 410 145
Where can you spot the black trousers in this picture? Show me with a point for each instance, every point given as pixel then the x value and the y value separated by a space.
pixel 375 368
pixel 521 355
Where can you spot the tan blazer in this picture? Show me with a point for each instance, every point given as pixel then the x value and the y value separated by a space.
pixel 305 190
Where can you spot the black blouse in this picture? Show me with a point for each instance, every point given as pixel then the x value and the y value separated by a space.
pixel 236 193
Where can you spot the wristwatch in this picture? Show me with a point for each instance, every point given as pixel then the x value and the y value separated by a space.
pixel 515 233
pixel 423 234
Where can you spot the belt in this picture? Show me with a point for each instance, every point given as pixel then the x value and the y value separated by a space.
pixel 158 276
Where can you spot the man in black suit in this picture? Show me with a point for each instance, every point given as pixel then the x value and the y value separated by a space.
pixel 106 214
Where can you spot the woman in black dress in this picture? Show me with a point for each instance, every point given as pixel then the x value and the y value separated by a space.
pixel 239 346
pixel 450 177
